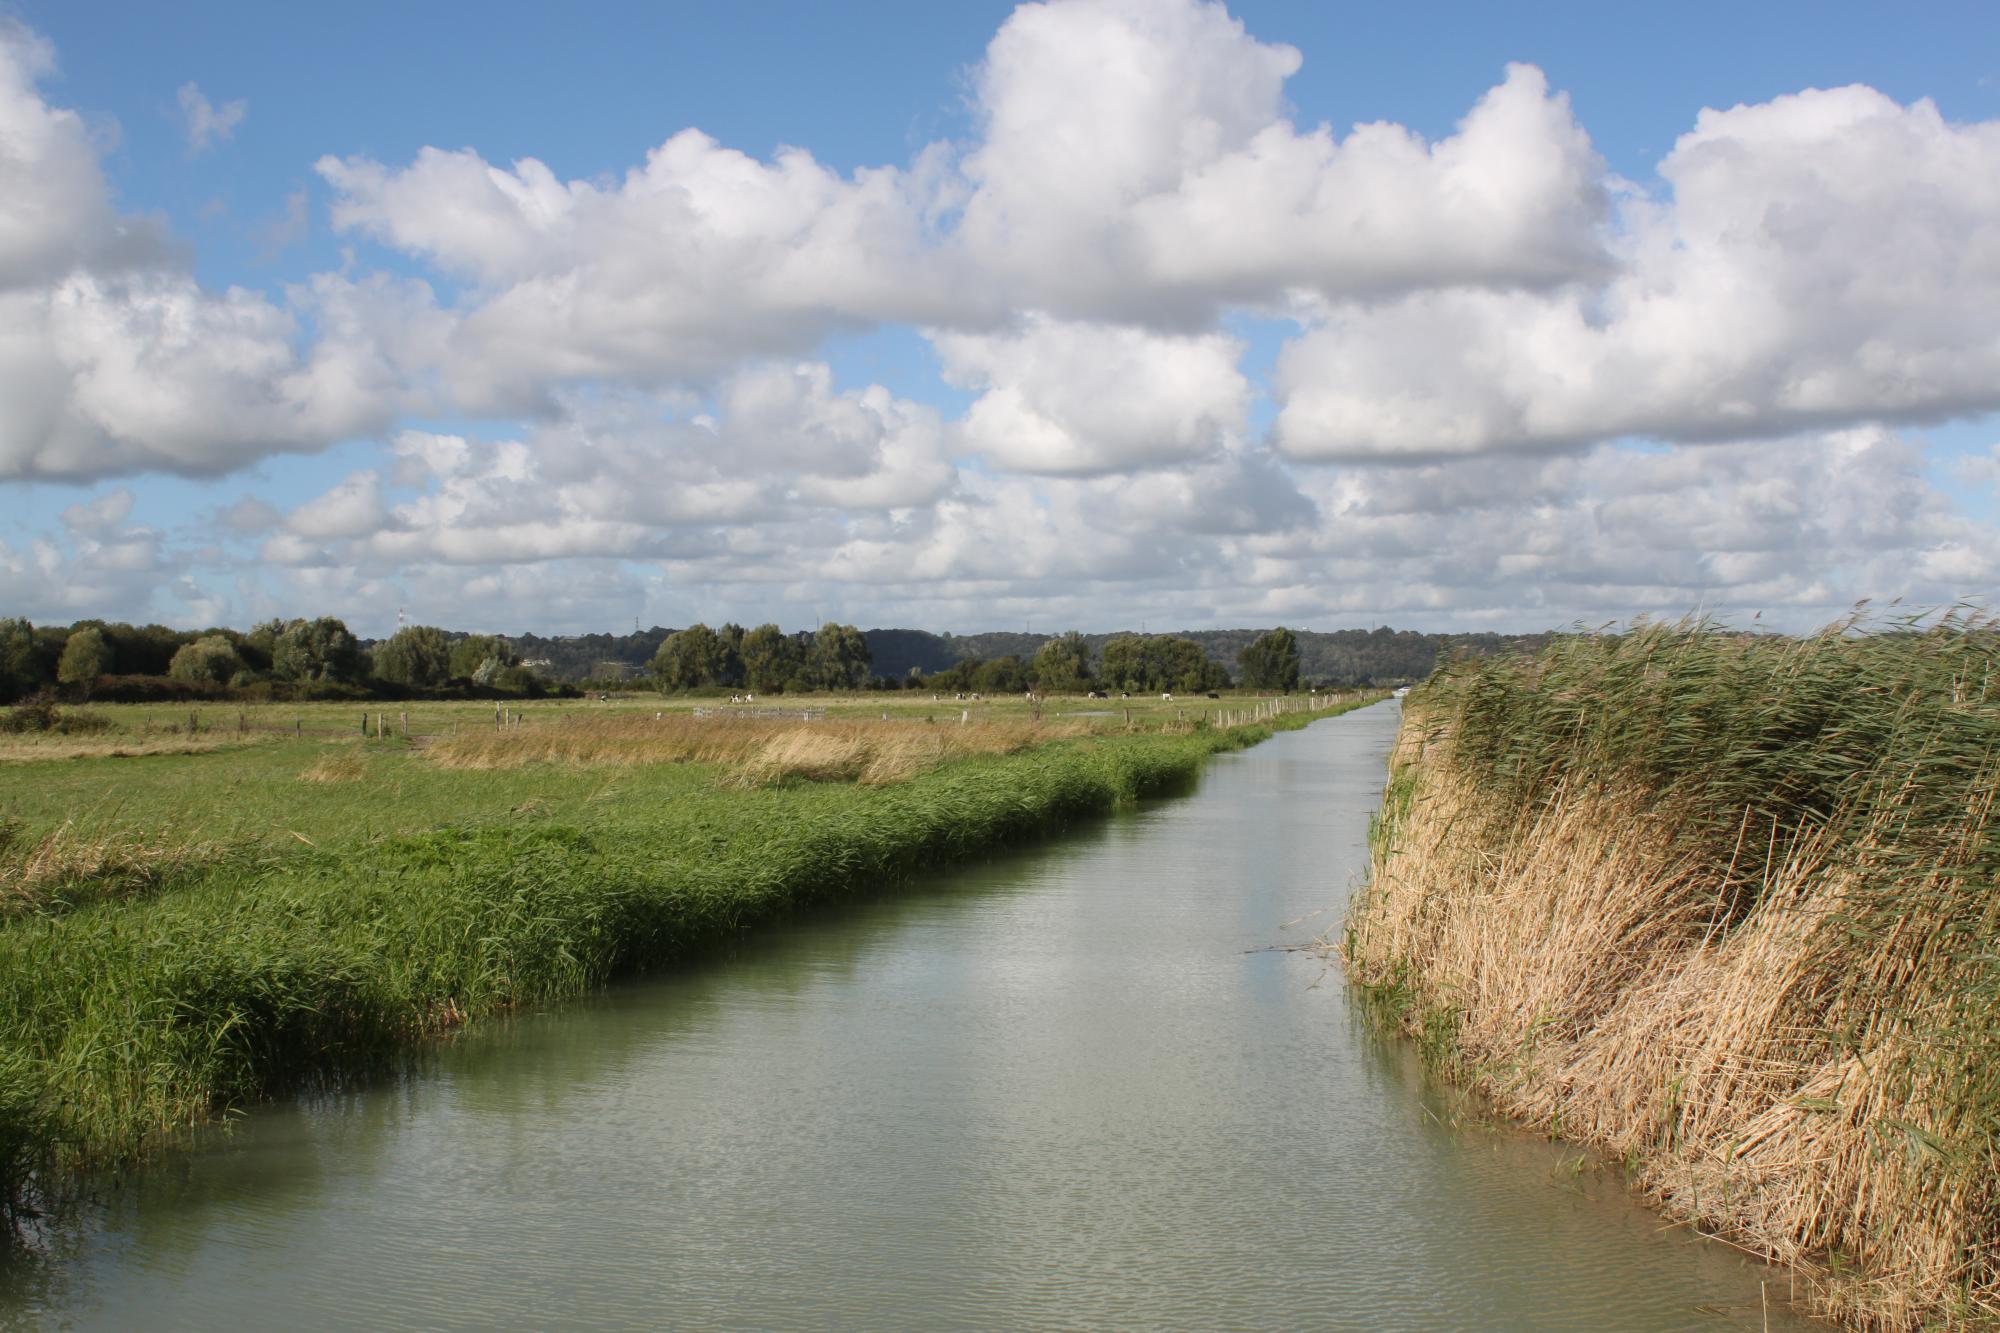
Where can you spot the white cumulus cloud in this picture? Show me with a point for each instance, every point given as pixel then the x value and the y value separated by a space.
pixel 1825 258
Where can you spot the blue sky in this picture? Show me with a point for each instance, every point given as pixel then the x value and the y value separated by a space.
pixel 1063 426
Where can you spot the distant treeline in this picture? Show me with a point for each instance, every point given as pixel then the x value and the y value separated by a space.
pixel 1341 657
pixel 1004 661
pixel 279 659
pixel 321 658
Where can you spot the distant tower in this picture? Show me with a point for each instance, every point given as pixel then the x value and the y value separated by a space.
pixel 635 624
pixel 400 618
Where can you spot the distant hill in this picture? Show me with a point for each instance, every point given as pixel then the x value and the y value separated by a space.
pixel 1381 656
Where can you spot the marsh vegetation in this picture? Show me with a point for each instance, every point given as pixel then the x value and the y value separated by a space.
pixel 1728 907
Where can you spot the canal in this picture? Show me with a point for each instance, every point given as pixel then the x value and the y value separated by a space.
pixel 1095 1084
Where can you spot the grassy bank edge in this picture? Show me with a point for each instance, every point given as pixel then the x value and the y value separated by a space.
pixel 125 1025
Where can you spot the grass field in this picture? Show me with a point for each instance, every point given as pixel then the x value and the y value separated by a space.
pixel 183 933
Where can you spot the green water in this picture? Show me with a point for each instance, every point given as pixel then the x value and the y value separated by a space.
pixel 1071 1088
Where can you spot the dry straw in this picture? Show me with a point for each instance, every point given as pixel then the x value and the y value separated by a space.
pixel 1727 906
pixel 67 867
pixel 750 750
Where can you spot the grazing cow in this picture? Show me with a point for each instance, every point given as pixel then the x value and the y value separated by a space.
pixel 1167 697
pixel 1213 695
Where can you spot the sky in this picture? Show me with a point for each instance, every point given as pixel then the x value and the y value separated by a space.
pixel 1082 314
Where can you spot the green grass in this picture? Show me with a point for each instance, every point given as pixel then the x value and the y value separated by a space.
pixel 414 899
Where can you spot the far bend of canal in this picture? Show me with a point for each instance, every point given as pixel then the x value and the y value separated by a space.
pixel 1070 1088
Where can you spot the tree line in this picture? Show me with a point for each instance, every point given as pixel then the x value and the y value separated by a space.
pixel 837 657
pixel 1125 663
pixel 322 658
pixel 298 658
pixel 763 660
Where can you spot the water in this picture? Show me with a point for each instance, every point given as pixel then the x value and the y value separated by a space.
pixel 1072 1088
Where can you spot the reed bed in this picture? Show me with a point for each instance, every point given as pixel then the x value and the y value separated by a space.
pixel 67 867
pixel 749 750
pixel 1727 907
pixel 125 1023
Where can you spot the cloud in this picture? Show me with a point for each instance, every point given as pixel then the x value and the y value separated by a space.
pixel 115 361
pixel 249 517
pixel 697 261
pixel 98 564
pixel 54 206
pixel 354 508
pixel 103 514
pixel 636 476
pixel 278 234
pixel 1135 162
pixel 1061 397
pixel 1189 192
pixel 1802 527
pixel 205 124
pixel 1822 259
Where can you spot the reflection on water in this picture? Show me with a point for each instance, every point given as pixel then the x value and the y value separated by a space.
pixel 1070 1087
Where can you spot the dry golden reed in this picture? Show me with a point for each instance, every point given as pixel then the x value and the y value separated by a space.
pixel 752 750
pixel 1728 909
pixel 29 749
pixel 67 867
pixel 343 763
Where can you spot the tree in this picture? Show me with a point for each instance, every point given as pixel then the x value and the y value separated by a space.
pixel 959 677
pixel 1159 662
pixel 768 659
pixel 21 664
pixel 1122 663
pixel 418 656
pixel 318 651
pixel 480 658
pixel 731 636
pixel 85 657
pixel 838 658
pixel 1272 661
pixel 1002 675
pixel 1062 666
pixel 211 660
pixel 691 658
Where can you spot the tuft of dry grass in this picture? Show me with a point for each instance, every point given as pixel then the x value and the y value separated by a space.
pixel 341 764
pixel 67 868
pixel 752 751
pixel 39 748
pixel 1729 909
